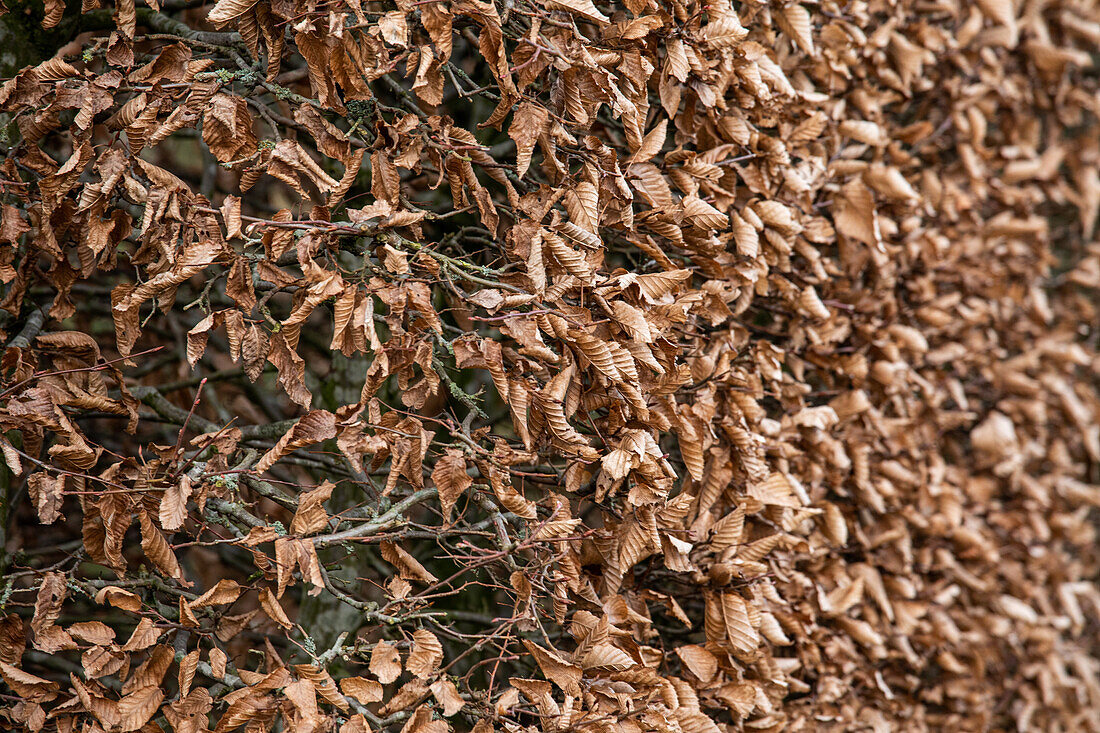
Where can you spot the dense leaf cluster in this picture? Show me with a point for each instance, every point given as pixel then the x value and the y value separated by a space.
pixel 551 365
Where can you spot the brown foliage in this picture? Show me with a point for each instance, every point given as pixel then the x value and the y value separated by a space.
pixel 553 365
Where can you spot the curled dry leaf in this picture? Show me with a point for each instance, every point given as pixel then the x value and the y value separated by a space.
pixel 48 494
pixel 562 673
pixel 226 10
pixel 314 427
pixel 218 661
pixel 136 709
pixel 426 654
pixel 173 504
pixel 144 635
pixel 450 479
pixel 363 690
pixel 409 567
pixel 119 598
pixel 311 516
pixel 446 694
pixel 273 609
pixel 385 662
pixel 224 592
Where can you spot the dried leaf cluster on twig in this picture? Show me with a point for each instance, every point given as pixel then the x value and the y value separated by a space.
pixel 553 365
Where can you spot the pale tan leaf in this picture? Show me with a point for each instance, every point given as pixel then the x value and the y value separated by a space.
pixel 186 673
pixel 776 490
pixel 446 694
pixel 703 215
pixel 570 259
pixel 702 663
pixel 138 707
pixel 758 549
pixel 740 697
pixel 311 517
pixel 725 30
pixel 582 202
pixel 606 656
pixel 143 636
pixel 451 479
pixel 864 131
pixel 727 531
pixel 565 675
pixel 385 662
pixel 156 548
pixel 651 144
pixel 528 122
pixel 856 217
pixel 226 591
pixel 46 492
pixel 118 598
pixel 808 130
pixel 173 503
pixel 394 28
pixel 409 567
pixel 314 427
pixel 273 609
pixel 656 285
pixel 226 10
pixel 426 654
pixel 218 661
pixel 794 20
pixel 363 690
pixel 739 629
pixel 598 352
pixel 583 8
pixel 746 236
pixel 551 402
pixel 93 632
